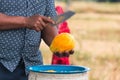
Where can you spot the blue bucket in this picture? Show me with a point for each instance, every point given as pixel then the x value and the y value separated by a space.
pixel 58 72
pixel 58 69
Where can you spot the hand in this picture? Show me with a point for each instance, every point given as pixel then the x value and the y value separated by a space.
pixel 64 54
pixel 62 58
pixel 38 22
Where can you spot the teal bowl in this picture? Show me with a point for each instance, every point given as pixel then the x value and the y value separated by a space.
pixel 58 69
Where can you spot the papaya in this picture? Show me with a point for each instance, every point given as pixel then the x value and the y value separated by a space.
pixel 62 42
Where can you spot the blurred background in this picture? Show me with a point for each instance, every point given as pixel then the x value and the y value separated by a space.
pixel 96 28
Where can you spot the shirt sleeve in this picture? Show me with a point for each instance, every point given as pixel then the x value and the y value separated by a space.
pixel 50 8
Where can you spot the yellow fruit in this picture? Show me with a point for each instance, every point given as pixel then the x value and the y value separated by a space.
pixel 62 42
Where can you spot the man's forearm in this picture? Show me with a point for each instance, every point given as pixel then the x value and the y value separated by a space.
pixel 48 34
pixel 11 22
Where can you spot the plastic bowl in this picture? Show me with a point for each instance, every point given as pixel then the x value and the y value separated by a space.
pixel 58 69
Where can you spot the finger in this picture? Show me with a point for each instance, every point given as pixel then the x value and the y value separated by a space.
pixel 47 19
pixel 42 23
pixel 37 28
pixel 56 53
pixel 40 28
pixel 66 51
pixel 71 51
pixel 53 22
pixel 62 54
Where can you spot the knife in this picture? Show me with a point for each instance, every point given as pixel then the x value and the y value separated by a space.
pixel 61 18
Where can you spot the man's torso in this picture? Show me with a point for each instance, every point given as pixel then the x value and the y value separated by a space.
pixel 23 42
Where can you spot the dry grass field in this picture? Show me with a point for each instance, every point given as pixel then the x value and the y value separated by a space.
pixel 96 28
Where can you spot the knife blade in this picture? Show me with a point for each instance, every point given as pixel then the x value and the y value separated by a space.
pixel 63 17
